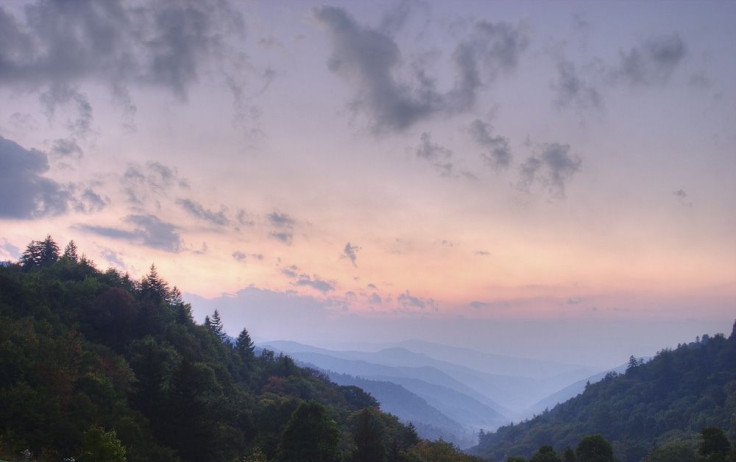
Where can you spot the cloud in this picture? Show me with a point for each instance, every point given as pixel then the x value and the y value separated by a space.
pixel 64 95
pixel 90 202
pixel 572 90
pixel 498 152
pixel 291 272
pixel 436 154
pixel 370 60
pixel 66 148
pixel 24 192
pixel 350 252
pixel 152 181
pixel 239 256
pixel 148 230
pixel 280 220
pixel 482 253
pixel 315 283
pixel 375 299
pixel 283 236
pixel 408 301
pixel 197 210
pixel 113 257
pixel 244 218
pixel 652 62
pixel 680 193
pixel 553 168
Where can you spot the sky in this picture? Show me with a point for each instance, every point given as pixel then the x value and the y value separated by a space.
pixel 546 179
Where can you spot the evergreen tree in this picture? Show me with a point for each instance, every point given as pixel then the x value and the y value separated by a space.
pixel 216 327
pixel 70 252
pixel 49 252
pixel 244 346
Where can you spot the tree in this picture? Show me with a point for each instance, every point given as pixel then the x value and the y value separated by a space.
pixel 99 445
pixel 70 252
pixel 715 446
pixel 568 455
pixel 676 452
pixel 40 254
pixel 309 436
pixel 153 287
pixel 368 431
pixel 244 346
pixel 594 448
pixel 215 326
pixel 545 454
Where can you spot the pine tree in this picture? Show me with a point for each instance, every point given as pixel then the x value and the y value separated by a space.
pixel 215 326
pixel 244 346
pixel 70 252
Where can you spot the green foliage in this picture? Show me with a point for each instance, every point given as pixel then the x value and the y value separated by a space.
pixel 82 351
pixel 715 446
pixel 545 453
pixel 594 448
pixel 99 445
pixel 671 397
pixel 368 435
pixel 309 436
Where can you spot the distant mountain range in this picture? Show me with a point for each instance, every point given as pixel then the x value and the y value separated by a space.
pixel 662 404
pixel 447 392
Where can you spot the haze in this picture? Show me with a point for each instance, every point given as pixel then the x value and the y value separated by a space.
pixel 546 179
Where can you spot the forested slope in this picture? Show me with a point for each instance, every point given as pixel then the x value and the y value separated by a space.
pixel 97 366
pixel 666 401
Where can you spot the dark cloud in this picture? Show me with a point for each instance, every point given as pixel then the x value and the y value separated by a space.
pixel 653 61
pixel 197 210
pixel 283 236
pixel 148 230
pixel 152 181
pixel 24 192
pixel 60 95
pixel 408 301
pixel 553 168
pixel 498 152
pixel 350 252
pixel 90 202
pixel 239 256
pixel 370 60
pixel 375 299
pixel 291 272
pixel 280 220
pixel 66 148
pixel 57 46
pixel 482 253
pixel 573 91
pixel 315 283
pixel 436 154
pixel 680 193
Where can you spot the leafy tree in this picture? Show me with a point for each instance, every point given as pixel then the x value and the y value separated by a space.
pixel 368 433
pixel 309 436
pixel 99 445
pixel 568 455
pixel 594 448
pixel 676 452
pixel 715 446
pixel 545 453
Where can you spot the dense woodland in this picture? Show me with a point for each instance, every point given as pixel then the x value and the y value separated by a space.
pixel 99 367
pixel 656 411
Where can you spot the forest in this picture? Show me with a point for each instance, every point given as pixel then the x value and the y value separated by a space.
pixel 97 366
pixel 655 411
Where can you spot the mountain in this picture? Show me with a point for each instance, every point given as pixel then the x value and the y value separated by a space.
pixel 508 385
pixel 97 366
pixel 663 402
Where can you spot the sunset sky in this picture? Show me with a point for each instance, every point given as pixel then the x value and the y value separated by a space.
pixel 550 179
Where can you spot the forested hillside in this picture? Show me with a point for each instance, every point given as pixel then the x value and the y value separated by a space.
pixel 655 410
pixel 97 366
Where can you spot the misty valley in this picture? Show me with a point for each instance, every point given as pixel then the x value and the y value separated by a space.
pixel 97 366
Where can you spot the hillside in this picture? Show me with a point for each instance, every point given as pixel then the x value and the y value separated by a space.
pixel 97 366
pixel 667 400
